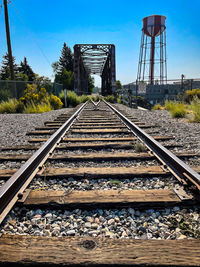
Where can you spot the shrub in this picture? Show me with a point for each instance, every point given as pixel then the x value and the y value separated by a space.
pixel 34 101
pixel 157 107
pixel 34 95
pixel 195 106
pixel 5 94
pixel 73 99
pixel 169 105
pixel 35 98
pixel 191 94
pixel 142 102
pixel 119 99
pixel 55 102
pixel 10 106
pixel 39 108
pixel 96 98
pixel 83 98
pixel 178 110
pixel 110 98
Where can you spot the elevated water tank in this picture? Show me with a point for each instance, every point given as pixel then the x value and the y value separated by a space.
pixel 154 25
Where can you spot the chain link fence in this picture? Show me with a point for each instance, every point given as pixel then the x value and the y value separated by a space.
pixel 15 89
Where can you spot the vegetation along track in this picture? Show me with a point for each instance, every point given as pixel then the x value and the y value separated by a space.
pixel 97 188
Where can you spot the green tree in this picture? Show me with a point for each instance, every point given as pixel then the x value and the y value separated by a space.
pixel 44 82
pixel 63 69
pixel 90 84
pixel 66 59
pixel 25 68
pixel 66 78
pixel 118 85
pixel 55 66
pixel 21 77
pixel 5 73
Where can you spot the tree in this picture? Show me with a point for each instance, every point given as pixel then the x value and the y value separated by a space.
pixel 5 72
pixel 66 78
pixel 44 82
pixel 66 59
pixel 21 77
pixel 26 69
pixel 118 85
pixel 90 84
pixel 55 66
pixel 63 68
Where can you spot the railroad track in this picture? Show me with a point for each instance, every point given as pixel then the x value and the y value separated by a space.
pixel 95 188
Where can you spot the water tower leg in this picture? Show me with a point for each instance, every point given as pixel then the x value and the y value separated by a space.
pixel 152 60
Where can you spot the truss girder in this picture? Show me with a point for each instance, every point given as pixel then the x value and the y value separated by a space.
pixel 94 59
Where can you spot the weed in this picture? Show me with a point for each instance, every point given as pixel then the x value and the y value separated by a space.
pixel 119 99
pixel 5 94
pixel 72 98
pixel 114 182
pixel 96 98
pixel 191 94
pixel 139 147
pixel 110 98
pixel 195 107
pixel 178 110
pixel 39 108
pixel 157 107
pixel 10 106
pixel 169 105
pixel 83 98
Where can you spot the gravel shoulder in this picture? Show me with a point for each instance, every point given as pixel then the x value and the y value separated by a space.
pixel 185 133
pixel 13 127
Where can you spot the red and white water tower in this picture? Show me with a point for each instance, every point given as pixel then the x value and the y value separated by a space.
pixel 152 67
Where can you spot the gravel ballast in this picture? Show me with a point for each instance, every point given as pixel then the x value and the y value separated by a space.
pixel 105 184
pixel 13 127
pixel 185 133
pixel 173 223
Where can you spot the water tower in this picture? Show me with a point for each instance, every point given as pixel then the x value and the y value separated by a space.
pixel 152 67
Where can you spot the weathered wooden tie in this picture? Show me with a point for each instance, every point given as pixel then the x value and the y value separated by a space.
pixel 93 156
pixel 100 131
pixel 104 198
pixel 97 173
pixel 101 139
pixel 97 251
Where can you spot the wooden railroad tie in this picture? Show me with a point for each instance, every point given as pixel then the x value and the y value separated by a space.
pixel 98 251
pixel 93 156
pixel 105 139
pixel 105 198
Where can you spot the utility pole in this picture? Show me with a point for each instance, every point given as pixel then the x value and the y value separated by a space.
pixel 8 40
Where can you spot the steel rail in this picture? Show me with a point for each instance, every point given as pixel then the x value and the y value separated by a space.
pixel 13 189
pixel 95 103
pixel 177 167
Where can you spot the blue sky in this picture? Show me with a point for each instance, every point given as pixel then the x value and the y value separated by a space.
pixel 40 27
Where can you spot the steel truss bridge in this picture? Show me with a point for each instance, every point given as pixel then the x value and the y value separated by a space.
pixel 94 59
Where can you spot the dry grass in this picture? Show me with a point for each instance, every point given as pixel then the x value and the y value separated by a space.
pixel 139 147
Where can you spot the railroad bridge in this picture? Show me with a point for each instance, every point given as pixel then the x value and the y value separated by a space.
pixel 94 59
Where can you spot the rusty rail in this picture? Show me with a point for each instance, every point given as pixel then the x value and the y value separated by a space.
pixel 12 190
pixel 177 167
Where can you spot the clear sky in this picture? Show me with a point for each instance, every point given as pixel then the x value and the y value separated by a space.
pixel 39 28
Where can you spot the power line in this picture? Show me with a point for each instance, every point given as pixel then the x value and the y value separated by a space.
pixel 32 36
